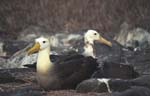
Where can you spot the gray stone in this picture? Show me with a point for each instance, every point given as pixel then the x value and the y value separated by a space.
pixel 136 37
pixel 15 61
pixel 3 63
pixel 12 46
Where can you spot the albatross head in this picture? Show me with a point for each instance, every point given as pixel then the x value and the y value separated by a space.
pixel 89 38
pixel 40 44
pixel 92 35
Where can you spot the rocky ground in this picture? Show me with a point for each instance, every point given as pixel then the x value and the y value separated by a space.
pixel 21 82
pixel 124 22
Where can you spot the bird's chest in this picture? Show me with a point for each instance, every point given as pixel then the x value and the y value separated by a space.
pixel 43 69
pixel 48 80
pixel 43 76
pixel 43 65
pixel 89 51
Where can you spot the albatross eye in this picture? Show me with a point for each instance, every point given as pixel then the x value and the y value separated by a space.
pixel 44 41
pixel 95 33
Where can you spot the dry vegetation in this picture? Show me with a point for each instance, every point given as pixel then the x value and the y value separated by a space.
pixel 72 15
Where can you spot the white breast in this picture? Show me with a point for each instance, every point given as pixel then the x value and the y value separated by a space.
pixel 88 50
pixel 43 62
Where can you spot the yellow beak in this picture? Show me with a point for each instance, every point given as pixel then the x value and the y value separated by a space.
pixel 104 41
pixel 34 49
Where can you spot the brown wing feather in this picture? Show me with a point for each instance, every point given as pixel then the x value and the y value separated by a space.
pixel 74 71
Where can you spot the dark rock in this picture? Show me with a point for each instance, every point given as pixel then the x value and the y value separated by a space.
pixel 103 85
pixel 135 91
pixel 91 85
pixel 3 63
pixel 115 70
pixel 19 78
pixel 142 81
pixel 18 82
pixel 140 61
pixel 109 54
pixel 18 59
pixel 25 89
pixel 14 82
pixel 112 85
pixel 14 75
pixel 12 46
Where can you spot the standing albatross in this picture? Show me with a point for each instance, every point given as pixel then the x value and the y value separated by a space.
pixel 64 74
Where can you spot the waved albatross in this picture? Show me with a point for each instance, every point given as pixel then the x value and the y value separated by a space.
pixel 64 74
pixel 89 37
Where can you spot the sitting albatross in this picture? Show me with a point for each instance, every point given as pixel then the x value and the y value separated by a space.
pixel 64 74
pixel 89 37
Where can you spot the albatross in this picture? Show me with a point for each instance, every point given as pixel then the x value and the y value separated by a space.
pixel 89 38
pixel 67 73
pixel 88 49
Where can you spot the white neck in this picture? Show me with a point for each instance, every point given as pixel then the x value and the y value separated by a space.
pixel 88 50
pixel 43 61
pixel 89 40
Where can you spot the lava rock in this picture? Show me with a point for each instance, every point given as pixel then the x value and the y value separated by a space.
pixel 103 85
pixel 16 61
pixel 105 53
pixel 135 91
pixel 111 85
pixel 115 70
pixel 135 37
pixel 91 85
pixel 12 46
pixel 3 63
pixel 140 61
